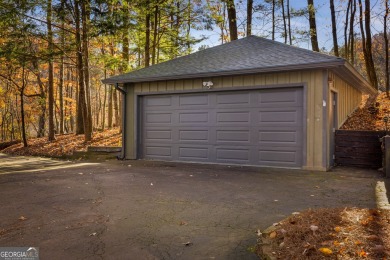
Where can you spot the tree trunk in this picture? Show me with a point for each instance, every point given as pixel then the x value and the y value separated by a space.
pixel 367 14
pixel 116 108
pixel 366 42
pixel 387 73
pixel 249 12
pixel 273 20
pixel 87 115
pixel 104 102
pixel 351 41
pixel 313 26
pixel 189 24
pixel 147 36
pixel 24 137
pixel 289 22
pixel 81 102
pixel 110 106
pixel 125 41
pixel 346 51
pixel 155 34
pixel 334 29
pixel 284 22
pixel 62 71
pixel 231 9
pixel 51 136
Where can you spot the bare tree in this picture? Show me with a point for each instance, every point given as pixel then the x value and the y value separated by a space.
pixel 366 42
pixel 334 29
pixel 231 9
pixel 147 35
pixel 346 51
pixel 386 47
pixel 51 136
pixel 85 13
pixel 351 40
pixel 313 26
pixel 273 19
pixel 289 22
pixel 249 12
pixel 284 21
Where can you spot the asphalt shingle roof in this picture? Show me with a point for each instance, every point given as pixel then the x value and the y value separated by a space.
pixel 247 55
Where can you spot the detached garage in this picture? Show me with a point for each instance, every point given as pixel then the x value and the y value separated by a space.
pixel 251 101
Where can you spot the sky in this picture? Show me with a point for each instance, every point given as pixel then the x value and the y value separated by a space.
pixel 323 21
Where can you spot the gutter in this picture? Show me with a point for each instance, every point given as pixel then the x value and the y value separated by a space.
pixel 123 92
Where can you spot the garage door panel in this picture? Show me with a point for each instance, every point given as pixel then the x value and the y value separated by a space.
pixel 271 158
pixel 158 135
pixel 158 101
pixel 279 117
pixel 194 135
pixel 158 152
pixel 193 153
pixel 233 136
pixel 280 156
pixel 194 117
pixel 238 155
pixel 153 118
pixel 191 100
pixel 279 138
pixel 280 98
pixel 232 99
pixel 233 117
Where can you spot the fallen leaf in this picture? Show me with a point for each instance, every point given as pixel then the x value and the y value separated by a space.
pixel 362 253
pixel 272 235
pixel 325 251
pixel 337 229
pixel 22 218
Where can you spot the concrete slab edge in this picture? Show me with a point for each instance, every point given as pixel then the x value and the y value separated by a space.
pixel 382 202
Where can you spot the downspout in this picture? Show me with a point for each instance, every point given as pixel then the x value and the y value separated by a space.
pixel 123 92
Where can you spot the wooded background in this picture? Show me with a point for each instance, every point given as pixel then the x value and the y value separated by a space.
pixel 54 53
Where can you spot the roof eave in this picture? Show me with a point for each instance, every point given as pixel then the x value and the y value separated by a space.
pixel 348 73
pixel 320 65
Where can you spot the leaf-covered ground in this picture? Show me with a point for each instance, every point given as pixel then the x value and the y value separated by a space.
pixel 370 114
pixel 65 144
pixel 349 233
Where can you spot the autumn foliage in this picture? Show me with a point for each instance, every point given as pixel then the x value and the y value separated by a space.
pixel 370 115
pixel 65 144
pixel 349 233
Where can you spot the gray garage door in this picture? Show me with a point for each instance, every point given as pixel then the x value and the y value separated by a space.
pixel 254 127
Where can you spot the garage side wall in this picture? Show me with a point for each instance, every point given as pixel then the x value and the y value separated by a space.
pixel 348 98
pixel 313 80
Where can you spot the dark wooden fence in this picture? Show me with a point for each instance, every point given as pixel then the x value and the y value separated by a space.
pixel 358 148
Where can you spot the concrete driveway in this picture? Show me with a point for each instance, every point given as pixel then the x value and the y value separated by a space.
pixel 155 210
